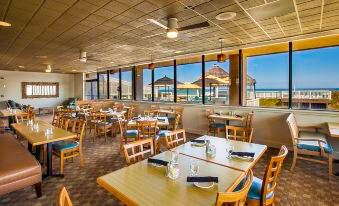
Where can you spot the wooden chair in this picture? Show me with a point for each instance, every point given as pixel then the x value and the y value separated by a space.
pixel 22 117
pixel 56 119
pixel 180 111
pixel 175 138
pixel 239 133
pixel 69 149
pixel 249 120
pixel 101 125
pixel 236 198
pixel 64 123
pixel 136 151
pixel 213 127
pixel 308 141
pixel 151 113
pixel 129 113
pixel 262 191
pixel 126 135
pixel 63 198
pixel 173 127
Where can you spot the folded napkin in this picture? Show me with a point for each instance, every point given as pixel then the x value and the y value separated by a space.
pixel 157 161
pixel 243 154
pixel 202 179
pixel 161 120
pixel 198 141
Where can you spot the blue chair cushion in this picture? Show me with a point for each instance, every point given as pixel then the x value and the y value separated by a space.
pixel 163 133
pixel 217 125
pixel 313 145
pixel 255 190
pixel 170 119
pixel 132 133
pixel 63 145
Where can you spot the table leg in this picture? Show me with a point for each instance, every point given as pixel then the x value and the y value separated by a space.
pixel 30 148
pixel 336 173
pixel 49 160
pixel 227 122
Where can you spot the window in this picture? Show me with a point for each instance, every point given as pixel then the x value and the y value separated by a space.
pixel 103 85
pixel 91 91
pixel 217 81
pixel 40 89
pixel 126 84
pixel 114 84
pixel 147 84
pixel 315 79
pixel 267 76
pixel 189 80
pixel 164 82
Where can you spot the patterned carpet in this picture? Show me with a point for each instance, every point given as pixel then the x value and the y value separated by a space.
pixel 308 185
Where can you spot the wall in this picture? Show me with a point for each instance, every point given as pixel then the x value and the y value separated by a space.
pixel 79 86
pixel 270 126
pixel 13 79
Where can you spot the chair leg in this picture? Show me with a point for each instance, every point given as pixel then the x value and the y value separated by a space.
pixel 295 155
pixel 330 167
pixel 62 155
pixel 38 189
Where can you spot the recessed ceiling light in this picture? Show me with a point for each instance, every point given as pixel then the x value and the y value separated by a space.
pixel 74 70
pixel 3 23
pixel 41 57
pixel 226 16
pixel 178 52
pixel 49 68
pixel 21 66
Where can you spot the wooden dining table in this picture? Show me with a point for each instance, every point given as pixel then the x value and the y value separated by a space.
pixel 227 118
pixel 145 184
pixel 38 137
pixel 333 129
pixel 220 158
pixel 161 121
pixel 10 114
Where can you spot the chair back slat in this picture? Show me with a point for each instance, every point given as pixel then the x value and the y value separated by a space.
pixel 239 133
pixel 293 126
pixel 249 120
pixel 22 117
pixel 237 198
pixel 147 128
pixel 63 198
pixel 175 138
pixel 271 174
pixel 135 151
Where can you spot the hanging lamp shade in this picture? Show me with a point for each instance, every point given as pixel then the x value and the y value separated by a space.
pixel 221 57
pixel 151 66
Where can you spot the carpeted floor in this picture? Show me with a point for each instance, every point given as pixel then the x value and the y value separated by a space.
pixel 307 186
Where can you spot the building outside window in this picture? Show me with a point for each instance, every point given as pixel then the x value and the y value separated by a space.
pixel 114 84
pixel 103 85
pixel 126 84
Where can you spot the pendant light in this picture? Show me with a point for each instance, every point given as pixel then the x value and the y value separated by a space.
pixel 221 57
pixel 151 66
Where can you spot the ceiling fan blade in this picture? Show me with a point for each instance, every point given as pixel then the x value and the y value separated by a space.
pixel 146 37
pixel 194 26
pixel 157 23
pixel 93 60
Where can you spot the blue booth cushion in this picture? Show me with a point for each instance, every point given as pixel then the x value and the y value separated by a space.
pixel 314 145
pixel 163 133
pixel 217 125
pixel 132 133
pixel 62 145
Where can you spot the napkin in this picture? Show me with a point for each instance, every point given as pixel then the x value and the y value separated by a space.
pixel 198 141
pixel 202 179
pixel 161 120
pixel 157 161
pixel 243 154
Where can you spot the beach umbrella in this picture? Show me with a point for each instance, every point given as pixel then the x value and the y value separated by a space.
pixel 187 86
pixel 164 82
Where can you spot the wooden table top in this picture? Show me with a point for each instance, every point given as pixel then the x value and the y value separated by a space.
pixel 221 155
pixel 226 117
pixel 334 129
pixel 162 121
pixel 38 137
pixel 164 111
pixel 144 184
pixel 7 113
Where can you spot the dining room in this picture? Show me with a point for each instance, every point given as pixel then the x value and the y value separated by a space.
pixel 169 102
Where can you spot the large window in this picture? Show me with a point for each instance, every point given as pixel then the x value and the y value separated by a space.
pixel 147 84
pixel 164 82
pixel 91 89
pixel 189 80
pixel 126 84
pixel 217 81
pixel 267 76
pixel 103 85
pixel 315 79
pixel 114 84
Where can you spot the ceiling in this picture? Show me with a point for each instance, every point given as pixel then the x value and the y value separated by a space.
pixel 54 31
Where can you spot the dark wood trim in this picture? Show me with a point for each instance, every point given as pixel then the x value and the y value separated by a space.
pixel 24 86
pixel 98 86
pixel 152 85
pixel 107 84
pixel 203 69
pixel 290 75
pixel 240 77
pixel 120 88
pixel 175 79
pixel 134 82
pixel 38 190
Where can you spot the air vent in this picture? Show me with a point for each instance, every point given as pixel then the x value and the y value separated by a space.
pixel 272 9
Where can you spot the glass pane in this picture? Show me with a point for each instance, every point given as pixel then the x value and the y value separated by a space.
pixel 94 89
pixel 267 76
pixel 126 84
pixel 103 85
pixel 164 83
pixel 189 81
pixel 114 84
pixel 217 82
pixel 147 84
pixel 315 79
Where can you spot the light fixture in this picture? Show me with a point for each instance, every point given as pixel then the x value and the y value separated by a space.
pixel 225 16
pixel 49 68
pixel 41 57
pixel 3 23
pixel 21 66
pixel 172 33
pixel 221 57
pixel 74 70
pixel 151 66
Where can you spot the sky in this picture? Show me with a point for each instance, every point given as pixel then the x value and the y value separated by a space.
pixel 317 68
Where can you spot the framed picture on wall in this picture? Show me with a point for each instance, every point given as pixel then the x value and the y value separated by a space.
pixel 40 90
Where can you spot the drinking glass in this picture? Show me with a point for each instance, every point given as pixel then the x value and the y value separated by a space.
pixel 194 167
pixel 229 150
pixel 174 156
pixel 173 170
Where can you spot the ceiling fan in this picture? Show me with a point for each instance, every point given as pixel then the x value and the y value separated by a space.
pixel 172 28
pixel 84 57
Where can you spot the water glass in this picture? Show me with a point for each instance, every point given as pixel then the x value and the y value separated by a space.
pixel 229 150
pixel 173 170
pixel 194 167
pixel 174 156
